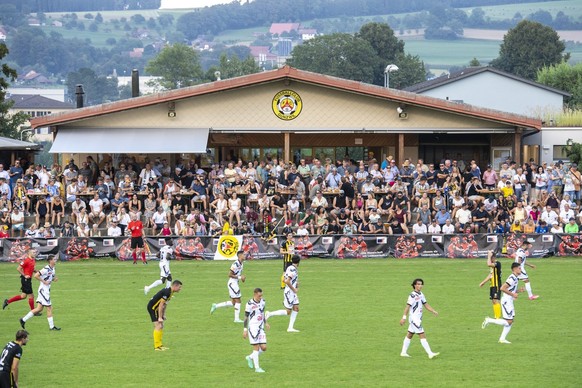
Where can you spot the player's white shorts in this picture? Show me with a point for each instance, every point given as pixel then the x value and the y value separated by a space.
pixel 415 326
pixel 257 336
pixel 523 276
pixel 290 299
pixel 233 289
pixel 44 296
pixel 507 309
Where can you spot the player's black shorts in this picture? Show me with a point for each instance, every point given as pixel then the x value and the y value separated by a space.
pixel 6 379
pixel 136 242
pixel 26 285
pixel 494 293
pixel 153 314
pixel 169 278
pixel 286 263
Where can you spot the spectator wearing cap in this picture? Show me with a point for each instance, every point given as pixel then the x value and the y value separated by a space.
pixel 556 228
pixel 155 187
pixel 406 172
pixel 571 227
pixel 367 187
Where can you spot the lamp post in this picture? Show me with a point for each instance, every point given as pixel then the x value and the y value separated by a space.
pixel 389 69
pixel 25 130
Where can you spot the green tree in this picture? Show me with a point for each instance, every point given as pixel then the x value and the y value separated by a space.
pixel 411 70
pixel 177 66
pixel 231 66
pixel 9 124
pixel 527 48
pixel 566 77
pixel 386 45
pixel 474 62
pixel 98 89
pixel 340 55
pixel 574 151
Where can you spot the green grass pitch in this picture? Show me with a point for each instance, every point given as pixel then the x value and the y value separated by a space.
pixel 349 321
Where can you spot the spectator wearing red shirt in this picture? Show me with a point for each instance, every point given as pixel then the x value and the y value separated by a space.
pixel 4 231
pixel 136 229
pixel 26 270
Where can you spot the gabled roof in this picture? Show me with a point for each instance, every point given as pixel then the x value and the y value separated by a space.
pixel 35 101
pixel 470 71
pixel 292 74
pixel 279 28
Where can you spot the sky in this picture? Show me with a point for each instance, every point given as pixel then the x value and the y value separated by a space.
pixel 169 4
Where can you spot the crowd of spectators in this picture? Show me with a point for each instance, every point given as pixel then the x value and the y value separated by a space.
pixel 312 197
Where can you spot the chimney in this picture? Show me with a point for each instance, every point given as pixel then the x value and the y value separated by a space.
pixel 134 83
pixel 80 95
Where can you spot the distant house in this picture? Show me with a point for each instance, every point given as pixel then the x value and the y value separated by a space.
pixel 32 77
pixel 37 106
pixel 279 28
pixel 57 23
pixel 307 33
pixel 33 22
pixel 137 52
pixel 495 89
pixel 263 56
pixel 3 35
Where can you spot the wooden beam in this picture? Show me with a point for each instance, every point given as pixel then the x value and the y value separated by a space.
pixel 517 146
pixel 287 147
pixel 400 150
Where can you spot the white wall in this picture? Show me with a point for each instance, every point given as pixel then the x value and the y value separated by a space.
pixel 548 137
pixel 54 93
pixel 495 91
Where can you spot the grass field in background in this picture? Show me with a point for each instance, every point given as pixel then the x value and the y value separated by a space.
pixel 349 321
pixel 572 8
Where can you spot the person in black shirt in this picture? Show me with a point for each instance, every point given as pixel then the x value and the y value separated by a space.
pixel 348 189
pixel 495 282
pixel 395 227
pixel 270 187
pixel 10 360
pixel 157 309
pixel 333 228
pixel 480 218
pixel 179 205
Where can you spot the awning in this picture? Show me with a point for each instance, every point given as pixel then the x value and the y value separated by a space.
pixel 7 143
pixel 130 140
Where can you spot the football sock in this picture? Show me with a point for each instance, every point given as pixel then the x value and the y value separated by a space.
pixel 278 312
pixel 155 284
pixel 237 311
pixel 15 299
pixel 497 310
pixel 157 338
pixel 225 304
pixel 405 345
pixel 28 316
pixel 51 322
pixel 282 281
pixel 31 303
pixel 134 255
pixel 498 321
pixel 425 345
pixel 505 331
pixel 255 357
pixel 528 289
pixel 292 319
pixel 143 256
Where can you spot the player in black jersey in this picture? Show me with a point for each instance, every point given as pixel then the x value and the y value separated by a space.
pixel 10 359
pixel 494 278
pixel 287 250
pixel 157 310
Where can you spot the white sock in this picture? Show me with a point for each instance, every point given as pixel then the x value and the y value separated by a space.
pixel 426 346
pixel 236 311
pixel 224 304
pixel 405 345
pixel 255 357
pixel 28 316
pixel 168 284
pixel 278 312
pixel 155 284
pixel 528 289
pixel 292 319
pixel 505 331
pixel 50 321
pixel 498 321
pixel 261 350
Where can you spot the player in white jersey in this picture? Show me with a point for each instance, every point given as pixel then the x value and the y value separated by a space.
pixel 166 252
pixel 46 277
pixel 414 306
pixel 509 293
pixel 234 275
pixel 521 259
pixel 254 328
pixel 290 298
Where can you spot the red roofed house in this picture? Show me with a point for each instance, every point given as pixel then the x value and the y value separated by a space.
pixel 279 28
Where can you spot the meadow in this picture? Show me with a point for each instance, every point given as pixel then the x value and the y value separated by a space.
pixel 349 321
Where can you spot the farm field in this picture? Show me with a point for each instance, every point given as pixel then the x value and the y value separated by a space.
pixel 349 321
pixel 571 8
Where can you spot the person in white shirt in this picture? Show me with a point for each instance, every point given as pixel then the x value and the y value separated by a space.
pixel 463 215
pixel 434 228
pixel 448 227
pixel 556 228
pixel 290 297
pixel 521 259
pixel 96 204
pixel 254 328
pixel 549 215
pixel 419 227
pixel 165 253
pixel 302 230
pixel 234 275
pixel 415 304
pixel 566 214
pixel 114 230
pixel 159 219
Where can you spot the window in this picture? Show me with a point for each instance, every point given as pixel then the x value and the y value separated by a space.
pixel 560 152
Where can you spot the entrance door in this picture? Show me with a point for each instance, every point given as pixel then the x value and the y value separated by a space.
pixel 437 148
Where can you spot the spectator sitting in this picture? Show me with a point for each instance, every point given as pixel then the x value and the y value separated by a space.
pixel 434 227
pixel 67 230
pixel 516 227
pixel 448 227
pixel 419 227
pixel 95 232
pixel 114 230
pixel 529 226
pixel 556 228
pixel 571 226
pixel 542 228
